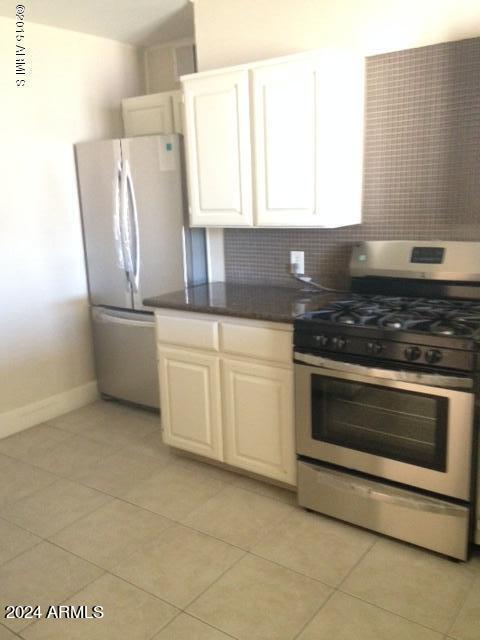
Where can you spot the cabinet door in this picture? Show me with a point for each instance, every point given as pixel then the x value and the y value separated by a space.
pixel 308 141
pixel 147 115
pixel 190 401
pixel 217 131
pixel 259 427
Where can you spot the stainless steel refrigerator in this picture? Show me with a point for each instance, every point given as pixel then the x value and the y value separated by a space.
pixel 137 244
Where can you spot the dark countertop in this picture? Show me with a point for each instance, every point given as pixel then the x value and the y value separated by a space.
pixel 258 302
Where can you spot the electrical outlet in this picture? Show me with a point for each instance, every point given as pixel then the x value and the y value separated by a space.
pixel 297 262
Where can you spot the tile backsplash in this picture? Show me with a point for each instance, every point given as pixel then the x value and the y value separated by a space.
pixel 421 168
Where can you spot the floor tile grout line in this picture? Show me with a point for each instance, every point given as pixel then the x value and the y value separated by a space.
pixel 360 559
pixel 180 522
pixel 172 523
pixel 232 483
pixel 329 597
pixel 148 593
pixel 462 604
pixel 209 624
pixel 296 571
pixel 117 577
pixel 17 555
pixel 164 626
pixel 95 564
pixel 394 613
pixel 122 447
pixel 11 631
pixel 90 582
pixel 199 595
pixel 47 537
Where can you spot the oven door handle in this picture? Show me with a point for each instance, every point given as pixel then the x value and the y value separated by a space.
pixel 430 379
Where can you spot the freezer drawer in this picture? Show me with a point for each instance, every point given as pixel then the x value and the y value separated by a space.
pixel 428 522
pixel 125 355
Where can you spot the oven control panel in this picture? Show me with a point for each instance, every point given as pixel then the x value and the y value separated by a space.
pixel 335 342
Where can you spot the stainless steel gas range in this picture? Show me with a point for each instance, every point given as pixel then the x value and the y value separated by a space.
pixel 386 379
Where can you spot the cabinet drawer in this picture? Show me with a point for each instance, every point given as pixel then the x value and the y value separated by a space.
pixel 189 332
pixel 261 343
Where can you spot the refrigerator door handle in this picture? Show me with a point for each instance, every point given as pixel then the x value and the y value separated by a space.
pixel 136 235
pixel 117 220
pixel 125 227
pixel 112 317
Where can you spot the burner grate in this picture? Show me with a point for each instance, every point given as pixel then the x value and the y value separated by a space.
pixel 438 317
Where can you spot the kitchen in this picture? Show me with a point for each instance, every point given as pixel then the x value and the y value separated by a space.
pixel 47 330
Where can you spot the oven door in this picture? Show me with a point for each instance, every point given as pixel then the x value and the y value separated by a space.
pixel 386 423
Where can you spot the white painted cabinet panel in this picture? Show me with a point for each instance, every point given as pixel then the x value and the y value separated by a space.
pixel 285 143
pixel 340 119
pixel 259 424
pixel 217 130
pixel 148 115
pixel 308 141
pixel 190 401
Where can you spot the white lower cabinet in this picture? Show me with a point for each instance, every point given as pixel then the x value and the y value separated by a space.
pixel 258 414
pixel 221 401
pixel 191 409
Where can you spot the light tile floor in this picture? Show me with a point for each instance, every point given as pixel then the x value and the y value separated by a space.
pixel 95 510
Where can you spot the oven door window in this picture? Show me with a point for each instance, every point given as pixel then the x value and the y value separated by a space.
pixel 391 423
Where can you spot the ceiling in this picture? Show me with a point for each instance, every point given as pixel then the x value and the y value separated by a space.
pixel 138 22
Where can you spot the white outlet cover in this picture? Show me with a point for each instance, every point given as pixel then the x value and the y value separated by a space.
pixel 297 262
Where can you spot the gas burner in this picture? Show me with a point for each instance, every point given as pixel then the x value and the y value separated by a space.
pixel 457 318
pixel 345 318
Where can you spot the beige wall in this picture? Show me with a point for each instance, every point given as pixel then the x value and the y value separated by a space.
pixel 161 62
pixel 75 84
pixel 236 31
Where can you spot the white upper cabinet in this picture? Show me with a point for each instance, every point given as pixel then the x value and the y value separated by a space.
pixel 285 134
pixel 308 141
pixel 292 135
pixel 151 114
pixel 218 152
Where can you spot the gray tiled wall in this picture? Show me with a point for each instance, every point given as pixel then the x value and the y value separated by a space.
pixel 422 168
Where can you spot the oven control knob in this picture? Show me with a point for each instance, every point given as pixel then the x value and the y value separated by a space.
pixel 412 353
pixel 433 356
pixel 321 341
pixel 375 348
pixel 338 342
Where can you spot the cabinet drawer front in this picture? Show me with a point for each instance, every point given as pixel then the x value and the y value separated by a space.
pixel 258 342
pixel 188 332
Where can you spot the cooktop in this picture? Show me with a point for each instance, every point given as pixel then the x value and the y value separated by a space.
pixel 455 318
